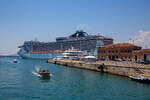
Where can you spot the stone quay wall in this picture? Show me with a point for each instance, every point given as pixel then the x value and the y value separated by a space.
pixel 113 67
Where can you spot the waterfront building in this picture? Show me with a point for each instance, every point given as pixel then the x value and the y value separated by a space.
pixel 121 51
pixel 143 54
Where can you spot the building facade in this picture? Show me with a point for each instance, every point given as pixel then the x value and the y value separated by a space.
pixel 117 51
pixel 143 54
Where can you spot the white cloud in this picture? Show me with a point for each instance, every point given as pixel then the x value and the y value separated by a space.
pixel 143 39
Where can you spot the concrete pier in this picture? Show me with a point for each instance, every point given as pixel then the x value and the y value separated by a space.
pixel 113 67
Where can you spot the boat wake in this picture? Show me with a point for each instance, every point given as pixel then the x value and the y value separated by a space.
pixel 35 73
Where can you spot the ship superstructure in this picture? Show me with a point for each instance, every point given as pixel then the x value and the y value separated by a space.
pixel 73 54
pixel 79 40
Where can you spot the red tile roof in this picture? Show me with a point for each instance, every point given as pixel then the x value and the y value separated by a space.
pixel 120 45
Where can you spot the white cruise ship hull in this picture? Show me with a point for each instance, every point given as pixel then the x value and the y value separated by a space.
pixel 25 55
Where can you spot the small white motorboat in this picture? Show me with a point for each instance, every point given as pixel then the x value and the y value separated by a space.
pixel 140 78
pixel 15 61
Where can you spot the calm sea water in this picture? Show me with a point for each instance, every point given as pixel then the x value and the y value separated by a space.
pixel 17 82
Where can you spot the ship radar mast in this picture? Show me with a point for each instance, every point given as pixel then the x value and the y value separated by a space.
pixel 79 33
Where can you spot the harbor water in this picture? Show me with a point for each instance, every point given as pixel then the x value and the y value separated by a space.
pixel 18 81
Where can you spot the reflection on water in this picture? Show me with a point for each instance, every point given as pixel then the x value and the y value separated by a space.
pixel 44 79
pixel 21 82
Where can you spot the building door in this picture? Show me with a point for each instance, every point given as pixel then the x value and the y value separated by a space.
pixel 135 58
pixel 113 57
pixel 109 57
pixel 145 57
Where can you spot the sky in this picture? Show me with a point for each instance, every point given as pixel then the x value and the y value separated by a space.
pixel 23 20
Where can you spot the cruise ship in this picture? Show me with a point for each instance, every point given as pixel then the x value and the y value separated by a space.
pixel 48 50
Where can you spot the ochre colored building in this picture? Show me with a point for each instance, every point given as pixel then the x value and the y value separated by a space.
pixel 117 51
pixel 143 54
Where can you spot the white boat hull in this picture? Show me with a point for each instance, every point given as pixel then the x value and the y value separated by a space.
pixel 38 55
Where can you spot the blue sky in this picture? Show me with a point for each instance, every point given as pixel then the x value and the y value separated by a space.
pixel 22 20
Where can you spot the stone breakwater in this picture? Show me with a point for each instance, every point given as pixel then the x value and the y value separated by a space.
pixel 113 67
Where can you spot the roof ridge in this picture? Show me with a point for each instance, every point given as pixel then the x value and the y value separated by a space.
pixel 120 45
